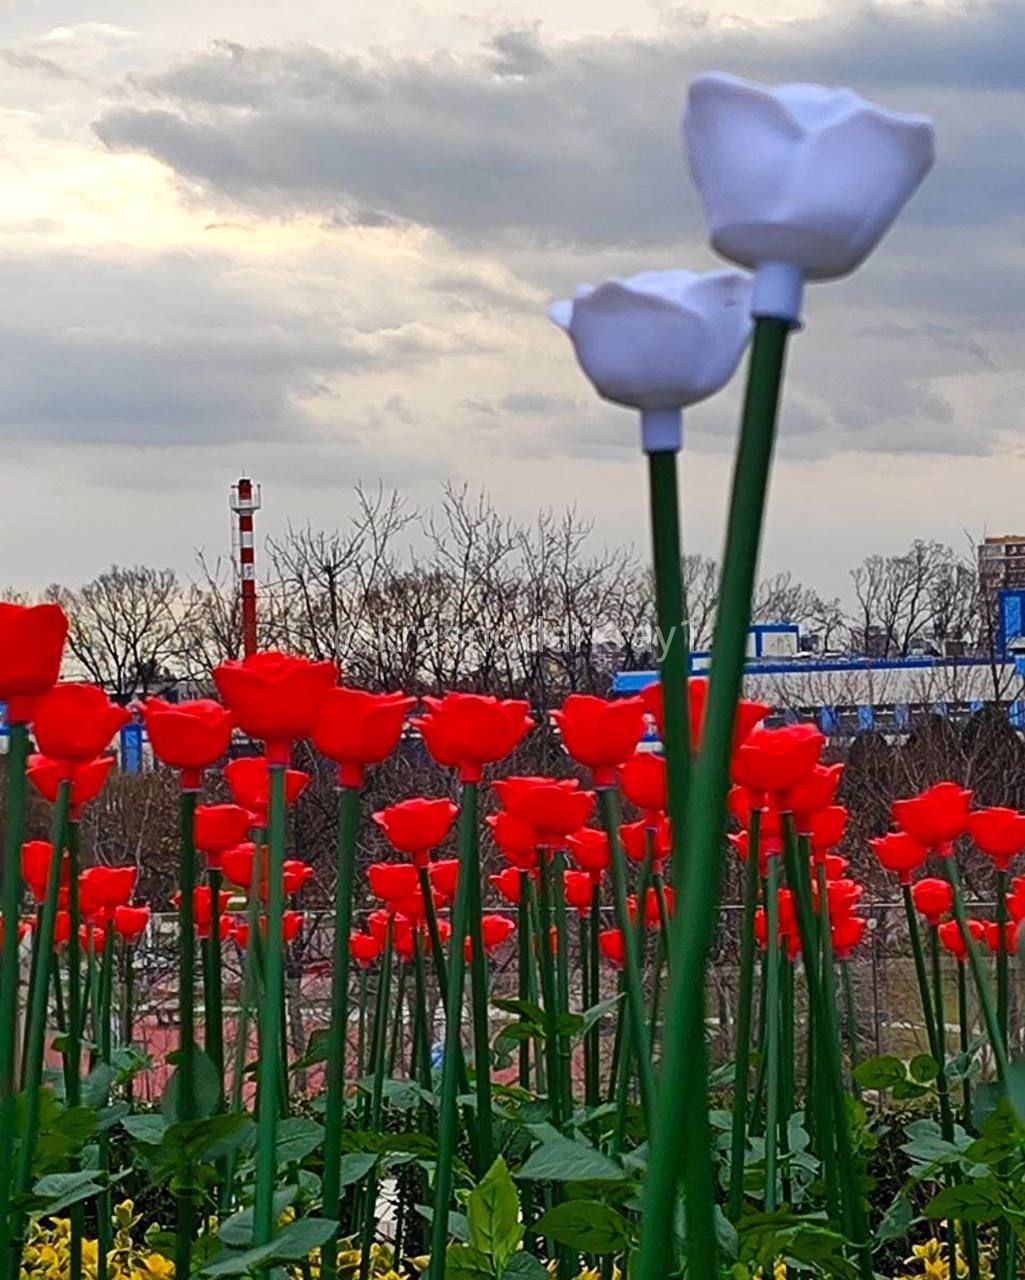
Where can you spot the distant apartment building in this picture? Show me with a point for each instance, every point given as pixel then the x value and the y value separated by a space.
pixel 1001 565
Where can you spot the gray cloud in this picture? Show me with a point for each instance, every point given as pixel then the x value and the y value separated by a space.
pixel 571 143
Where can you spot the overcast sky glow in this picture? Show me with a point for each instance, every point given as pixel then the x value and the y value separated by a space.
pixel 315 243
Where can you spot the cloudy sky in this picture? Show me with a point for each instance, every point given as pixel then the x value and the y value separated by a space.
pixel 315 243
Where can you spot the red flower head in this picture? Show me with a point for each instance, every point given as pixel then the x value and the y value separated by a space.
pixel 776 760
pixel 749 713
pixel 999 833
pixel 237 864
pixel 898 852
pixel 469 730
pixel 31 647
pixel 356 728
pixel 507 882
pixel 402 930
pixel 589 849
pixel 613 946
pixel 87 778
pixel 517 841
pixel 364 948
pixel 579 888
pixel 652 916
pixel 130 922
pixel 1016 899
pixel 494 931
pixel 767 848
pixel 825 828
pixel 92 936
pixel 291 923
pixel 992 936
pixel 600 733
pixel 638 836
pixel 392 881
pixel 814 792
pixel 190 736
pixel 643 781
pixel 416 826
pixel 935 817
pixel 294 874
pixel 36 860
pixel 444 877
pixel 74 723
pixel 933 898
pixel 203 910
pixel 101 890
pixel 219 827
pixel 842 896
pixel 61 929
pixel 551 809
pixel 248 779
pixel 741 804
pixel 953 939
pixel 276 697
pixel 847 932
pixel 835 866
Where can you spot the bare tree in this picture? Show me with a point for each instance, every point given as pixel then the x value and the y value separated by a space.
pixel 125 628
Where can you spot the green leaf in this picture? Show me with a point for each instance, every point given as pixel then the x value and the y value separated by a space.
pixel 146 1128
pixel 896 1220
pixel 57 1191
pixel 297 1138
pixel 586 1225
pixel 458 1227
pixel 598 1011
pixel 493 1213
pixel 316 1050
pixel 524 1009
pixel 560 1159
pixel 906 1090
pixel 463 1262
pixel 96 1085
pixel 524 1266
pixel 236 1232
pixel 923 1068
pixel 970 1202
pixel 1015 1081
pixel 355 1166
pixel 207 1088
pixel 927 1145
pixel 293 1243
pixel 880 1073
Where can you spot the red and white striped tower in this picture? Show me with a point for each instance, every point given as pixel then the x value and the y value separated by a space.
pixel 245 500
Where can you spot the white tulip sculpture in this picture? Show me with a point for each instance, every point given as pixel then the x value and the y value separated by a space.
pixel 657 342
pixel 798 182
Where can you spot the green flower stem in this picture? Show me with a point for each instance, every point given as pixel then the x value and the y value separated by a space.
pixel 928 1009
pixel 851 1024
pixel 671 618
pixel 989 1015
pixel 540 941
pixel 213 974
pixel 270 1017
pixel 334 1114
pixel 592 1091
pixel 965 1041
pixel 447 1110
pixel 38 1011
pixel 620 1036
pixel 939 1047
pixel 479 995
pixel 772 1081
pixel 557 862
pixel 73 1049
pixel 609 803
pixel 828 1048
pixel 683 1104
pixel 1003 989
pixel 104 1206
pixel 33 978
pixel 396 1032
pixel 523 967
pixel 745 1005
pixel 421 1046
pixel 377 1094
pixel 59 1011
pixel 10 971
pixel 361 1035
pixel 659 885
pixel 186 1210
pixel 787 1088
pixel 549 994
pixel 656 991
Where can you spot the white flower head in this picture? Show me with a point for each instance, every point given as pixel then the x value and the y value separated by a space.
pixel 661 339
pixel 799 173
